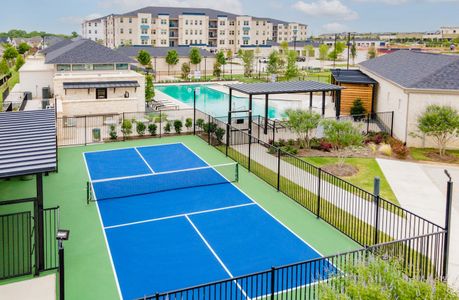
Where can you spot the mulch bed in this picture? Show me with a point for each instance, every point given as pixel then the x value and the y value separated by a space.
pixel 341 171
pixel 448 158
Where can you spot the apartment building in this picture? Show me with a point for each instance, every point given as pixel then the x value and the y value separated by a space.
pixel 449 32
pixel 174 26
pixel 94 30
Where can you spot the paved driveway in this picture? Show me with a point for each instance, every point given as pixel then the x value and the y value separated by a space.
pixel 421 188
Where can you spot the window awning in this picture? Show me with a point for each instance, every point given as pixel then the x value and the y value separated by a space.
pixel 100 84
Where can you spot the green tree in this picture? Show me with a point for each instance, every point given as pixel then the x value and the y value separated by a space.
pixel 342 135
pixel 185 70
pixel 292 69
pixel 337 50
pixel 283 46
pixel 172 58
pixel 10 54
pixel 23 48
pixel 221 59
pixel 126 128
pixel 178 126
pixel 323 52
pixel 273 62
pixel 149 88
pixel 441 123
pixel 247 59
pixel 144 58
pixel 229 54
pixel 195 57
pixel 357 108
pixel 140 128
pixel 371 53
pixel 217 69
pixel 19 62
pixel 219 133
pixel 74 34
pixel 303 123
pixel 4 69
pixel 188 123
pixel 152 129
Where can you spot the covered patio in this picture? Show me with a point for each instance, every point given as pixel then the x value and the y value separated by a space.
pixel 273 88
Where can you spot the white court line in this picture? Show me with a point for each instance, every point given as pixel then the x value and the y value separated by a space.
pixel 141 156
pixel 105 235
pixel 216 255
pixel 131 147
pixel 178 216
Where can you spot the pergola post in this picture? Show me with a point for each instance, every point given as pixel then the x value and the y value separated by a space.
pixel 310 101
pixel 39 233
pixel 323 103
pixel 266 114
pixel 338 103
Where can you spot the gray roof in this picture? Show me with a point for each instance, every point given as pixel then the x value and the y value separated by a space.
pixel 56 46
pixel 85 51
pixel 132 51
pixel 27 142
pixel 417 70
pixel 283 87
pixel 352 76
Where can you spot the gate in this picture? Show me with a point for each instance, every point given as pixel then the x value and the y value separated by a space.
pixel 17 243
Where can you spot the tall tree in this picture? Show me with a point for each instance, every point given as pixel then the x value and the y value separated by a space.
pixel 353 52
pixel 323 52
pixel 273 62
pixel 195 57
pixel 185 70
pixel 303 123
pixel 4 69
pixel 292 69
pixel 247 59
pixel 149 88
pixel 172 58
pixel 10 55
pixel 23 48
pixel 144 58
pixel 221 59
pixel 19 62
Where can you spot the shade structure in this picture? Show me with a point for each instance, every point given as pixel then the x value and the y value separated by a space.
pixel 287 87
pixel 351 76
pixel 27 142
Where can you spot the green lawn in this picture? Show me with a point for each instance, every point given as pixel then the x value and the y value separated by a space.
pixel 368 169
pixel 89 273
pixel 420 153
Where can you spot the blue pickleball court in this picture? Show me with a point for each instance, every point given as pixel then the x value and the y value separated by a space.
pixel 171 221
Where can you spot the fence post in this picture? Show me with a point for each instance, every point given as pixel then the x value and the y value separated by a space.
pixel 368 122
pixel 376 189
pixel 273 272
pixel 85 131
pixel 392 124
pixel 449 199
pixel 274 130
pixel 122 121
pixel 208 129
pixel 61 271
pixel 160 123
pixel 278 168
pixel 319 176
pixel 250 151
pixel 157 296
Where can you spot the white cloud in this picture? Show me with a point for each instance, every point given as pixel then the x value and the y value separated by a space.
pixel 400 2
pixel 334 28
pixel 77 20
pixel 326 8
pixel 233 6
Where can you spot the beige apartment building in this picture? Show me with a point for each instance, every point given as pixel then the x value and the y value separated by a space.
pixel 207 28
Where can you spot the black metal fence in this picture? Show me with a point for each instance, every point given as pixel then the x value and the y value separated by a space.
pixel 18 248
pixel 303 280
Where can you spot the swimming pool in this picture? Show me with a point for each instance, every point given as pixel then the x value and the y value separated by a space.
pixel 215 102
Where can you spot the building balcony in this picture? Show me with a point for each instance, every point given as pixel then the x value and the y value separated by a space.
pixel 173 24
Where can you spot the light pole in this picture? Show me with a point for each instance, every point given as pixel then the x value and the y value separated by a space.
pixel 348 46
pixel 335 54
pixel 62 235
pixel 196 91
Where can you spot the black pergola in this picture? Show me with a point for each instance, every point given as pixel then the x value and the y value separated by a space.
pixel 288 87
pixel 28 146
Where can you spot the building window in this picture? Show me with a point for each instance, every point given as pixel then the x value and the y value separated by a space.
pixel 186 22
pixel 144 42
pixel 222 42
pixel 95 31
pixel 130 20
pixel 101 93
pixel 130 31
pixel 257 23
pixel 231 23
pixel 231 32
pixel 153 21
pixel 81 67
pixel 153 42
pixel 222 32
pixel 144 21
pixel 231 42
pixel 246 42
pixel 163 42
pixel 103 67
pixel 246 23
pixel 63 67
pixel 186 42
pixel 163 22
pixel 222 23
pixel 200 22
pixel 195 22
pixel 153 31
pixel 246 32
pixel 95 24
pixel 144 31
pixel 121 20
pixel 89 31
pixel 163 31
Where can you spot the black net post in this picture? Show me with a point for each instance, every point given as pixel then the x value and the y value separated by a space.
pixel 319 182
pixel 449 200
pixel 88 192
pixel 278 168
pixel 194 112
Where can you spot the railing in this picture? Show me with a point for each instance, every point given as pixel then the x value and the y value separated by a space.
pixel 303 280
pixel 51 222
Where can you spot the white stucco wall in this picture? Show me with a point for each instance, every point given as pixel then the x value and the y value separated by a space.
pixel 35 75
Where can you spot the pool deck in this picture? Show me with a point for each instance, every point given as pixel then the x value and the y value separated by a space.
pixel 89 273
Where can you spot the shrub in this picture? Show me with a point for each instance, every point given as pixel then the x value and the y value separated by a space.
pixel 282 143
pixel 126 128
pixel 189 123
pixel 200 123
pixel 219 133
pixel 152 129
pixel 325 146
pixel 376 137
pixel 291 142
pixel 385 149
pixel 140 128
pixel 399 148
pixel 167 128
pixel 314 143
pixel 290 150
pixel 178 126
pixel 209 127
pixel 357 109
pixel 112 132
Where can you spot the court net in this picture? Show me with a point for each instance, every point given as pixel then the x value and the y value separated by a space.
pixel 160 182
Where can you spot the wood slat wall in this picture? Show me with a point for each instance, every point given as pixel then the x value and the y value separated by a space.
pixel 355 91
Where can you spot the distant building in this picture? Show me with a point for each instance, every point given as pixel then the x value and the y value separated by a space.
pixel 449 32
pixel 409 81
pixel 84 78
pixel 175 26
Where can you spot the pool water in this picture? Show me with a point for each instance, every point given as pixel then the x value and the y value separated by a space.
pixel 214 102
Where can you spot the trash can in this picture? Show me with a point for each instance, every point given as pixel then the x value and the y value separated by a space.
pixel 96 134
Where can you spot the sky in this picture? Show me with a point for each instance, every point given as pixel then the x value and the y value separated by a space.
pixel 322 16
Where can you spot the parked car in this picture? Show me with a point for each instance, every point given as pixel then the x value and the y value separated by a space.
pixel 263 60
pixel 301 59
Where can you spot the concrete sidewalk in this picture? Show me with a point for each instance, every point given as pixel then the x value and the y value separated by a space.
pixel 421 188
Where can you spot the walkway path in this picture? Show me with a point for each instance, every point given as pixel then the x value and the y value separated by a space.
pixel 421 188
pixel 356 205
